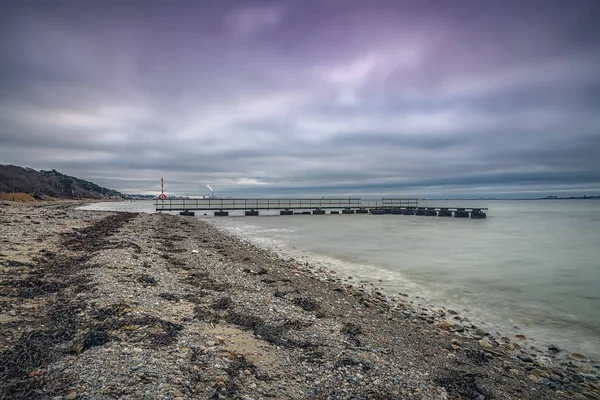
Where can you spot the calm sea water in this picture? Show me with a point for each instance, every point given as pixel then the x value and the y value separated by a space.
pixel 532 267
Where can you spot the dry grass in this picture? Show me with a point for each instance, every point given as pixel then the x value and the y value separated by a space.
pixel 16 196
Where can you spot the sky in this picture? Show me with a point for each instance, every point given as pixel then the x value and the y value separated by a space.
pixel 428 98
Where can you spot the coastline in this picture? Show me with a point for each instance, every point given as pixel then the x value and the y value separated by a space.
pixel 160 305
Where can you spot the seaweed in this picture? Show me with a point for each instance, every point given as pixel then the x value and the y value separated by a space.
pixel 306 304
pixel 169 297
pixel 351 329
pixel 462 386
pixel 223 303
pixel 238 364
pixel 147 280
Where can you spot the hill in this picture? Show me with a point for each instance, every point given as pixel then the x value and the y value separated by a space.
pixel 15 179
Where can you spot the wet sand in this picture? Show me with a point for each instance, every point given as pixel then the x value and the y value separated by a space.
pixel 102 305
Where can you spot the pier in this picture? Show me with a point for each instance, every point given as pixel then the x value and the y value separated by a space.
pixel 221 207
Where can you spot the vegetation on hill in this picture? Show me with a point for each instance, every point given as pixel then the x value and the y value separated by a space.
pixel 15 179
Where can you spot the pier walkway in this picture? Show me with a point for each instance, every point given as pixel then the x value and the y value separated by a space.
pixel 314 206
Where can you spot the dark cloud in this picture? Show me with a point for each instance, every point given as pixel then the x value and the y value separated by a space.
pixel 258 97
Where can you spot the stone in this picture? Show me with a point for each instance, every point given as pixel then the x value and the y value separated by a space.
pixel 525 358
pixel 444 326
pixel 533 378
pixel 484 343
pixel 540 373
pixel 554 348
pixel 211 343
pixel 520 336
pixel 71 396
pixel 578 356
pixel 577 378
pixel 555 378
pixel 12 313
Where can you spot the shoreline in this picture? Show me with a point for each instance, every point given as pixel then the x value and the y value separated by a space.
pixel 395 287
pixel 178 308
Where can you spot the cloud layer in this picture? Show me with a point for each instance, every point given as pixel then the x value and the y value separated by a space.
pixel 410 98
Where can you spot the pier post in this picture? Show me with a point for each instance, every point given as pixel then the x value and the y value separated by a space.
pixel 444 212
pixel 461 213
pixel 318 212
pixel 478 214
pixel 430 212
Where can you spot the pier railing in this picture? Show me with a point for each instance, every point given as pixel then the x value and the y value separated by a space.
pixel 399 202
pixel 256 204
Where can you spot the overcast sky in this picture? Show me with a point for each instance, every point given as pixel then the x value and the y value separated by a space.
pixel 426 97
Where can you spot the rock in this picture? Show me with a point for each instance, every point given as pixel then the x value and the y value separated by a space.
pixel 444 326
pixel 554 348
pixel 12 313
pixel 456 342
pixel 71 396
pixel 520 336
pixel 539 372
pixel 525 358
pixel 533 378
pixel 578 356
pixel 211 343
pixel 545 382
pixel 577 378
pixel 514 372
pixel 484 343
pixel 591 395
pixel 555 378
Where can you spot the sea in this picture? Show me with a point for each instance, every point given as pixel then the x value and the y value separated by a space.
pixel 532 267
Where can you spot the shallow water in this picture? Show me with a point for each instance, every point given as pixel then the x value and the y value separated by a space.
pixel 531 267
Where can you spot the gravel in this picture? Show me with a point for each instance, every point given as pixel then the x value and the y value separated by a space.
pixel 103 305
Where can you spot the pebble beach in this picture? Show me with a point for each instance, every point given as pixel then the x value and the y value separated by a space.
pixel 105 305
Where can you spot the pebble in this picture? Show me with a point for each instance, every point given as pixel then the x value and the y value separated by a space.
pixel 525 358
pixel 71 396
pixel 554 348
pixel 555 378
pixel 520 336
pixel 444 326
pixel 578 356
pixel 485 344
pixel 539 372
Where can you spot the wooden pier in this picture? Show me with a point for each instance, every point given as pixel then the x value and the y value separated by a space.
pixel 221 207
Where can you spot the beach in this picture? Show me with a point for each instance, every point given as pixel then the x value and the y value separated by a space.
pixel 131 305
